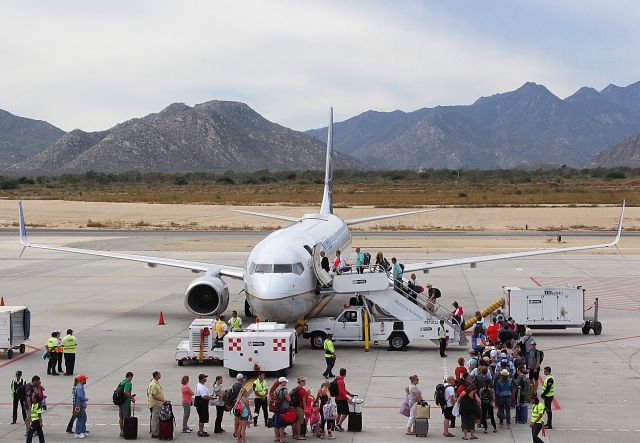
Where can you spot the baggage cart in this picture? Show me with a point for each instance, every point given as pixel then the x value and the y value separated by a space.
pixel 15 327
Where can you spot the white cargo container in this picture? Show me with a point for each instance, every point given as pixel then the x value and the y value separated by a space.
pixel 268 347
pixel 15 327
pixel 550 308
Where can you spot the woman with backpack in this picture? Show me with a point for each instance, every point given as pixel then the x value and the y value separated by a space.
pixel 242 410
pixel 487 399
pixel 469 403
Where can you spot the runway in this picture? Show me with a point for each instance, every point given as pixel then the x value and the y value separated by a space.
pixel 113 307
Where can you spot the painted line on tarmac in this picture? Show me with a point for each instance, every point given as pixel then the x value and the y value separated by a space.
pixel 591 343
pixel 21 356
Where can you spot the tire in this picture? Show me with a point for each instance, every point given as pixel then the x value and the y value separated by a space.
pixel 22 348
pixel 233 373
pixel 180 362
pixel 317 340
pixel 597 328
pixel 397 342
pixel 585 329
pixel 9 354
pixel 247 309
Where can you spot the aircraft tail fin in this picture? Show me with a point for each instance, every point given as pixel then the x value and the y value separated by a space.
pixel 327 198
pixel 24 240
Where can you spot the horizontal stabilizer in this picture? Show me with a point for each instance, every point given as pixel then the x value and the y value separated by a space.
pixel 355 221
pixel 264 214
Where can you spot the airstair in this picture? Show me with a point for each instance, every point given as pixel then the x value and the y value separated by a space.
pixel 390 298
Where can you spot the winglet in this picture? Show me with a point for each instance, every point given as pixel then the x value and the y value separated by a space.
pixel 326 207
pixel 23 230
pixel 615 242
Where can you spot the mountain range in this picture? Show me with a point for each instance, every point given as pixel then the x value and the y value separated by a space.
pixel 527 127
pixel 216 135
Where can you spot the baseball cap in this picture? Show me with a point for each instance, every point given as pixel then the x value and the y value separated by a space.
pixel 202 376
pixel 283 380
pixel 503 355
pixel 82 377
pixel 69 331
pixel 504 372
pixel 239 376
pixel 533 342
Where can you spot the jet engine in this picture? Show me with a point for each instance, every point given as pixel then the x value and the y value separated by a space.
pixel 207 295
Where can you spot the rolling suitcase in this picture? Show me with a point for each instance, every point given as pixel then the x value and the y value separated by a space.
pixel 355 422
pixel 522 413
pixel 166 430
pixel 422 427
pixel 130 429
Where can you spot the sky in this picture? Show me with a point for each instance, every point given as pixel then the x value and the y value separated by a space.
pixel 92 64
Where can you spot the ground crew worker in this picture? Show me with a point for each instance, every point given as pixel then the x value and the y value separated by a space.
pixel 442 339
pixel 53 356
pixel 329 356
pixel 547 394
pixel 235 322
pixel 221 328
pixel 260 391
pixel 15 384
pixel 69 344
pixel 537 420
pixel 59 351
pixel 36 420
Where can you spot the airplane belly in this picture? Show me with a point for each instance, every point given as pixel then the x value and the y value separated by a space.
pixel 283 309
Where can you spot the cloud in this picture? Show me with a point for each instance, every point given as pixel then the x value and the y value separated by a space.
pixel 91 65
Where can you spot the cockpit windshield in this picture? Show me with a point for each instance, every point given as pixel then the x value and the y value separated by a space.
pixel 270 268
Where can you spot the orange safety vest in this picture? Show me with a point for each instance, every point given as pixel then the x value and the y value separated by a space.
pixel 60 348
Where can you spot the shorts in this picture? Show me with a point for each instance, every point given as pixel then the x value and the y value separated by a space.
pixel 448 413
pixel 125 411
pixel 203 414
pixel 243 418
pixel 342 407
pixel 277 422
pixel 299 415
pixel 534 374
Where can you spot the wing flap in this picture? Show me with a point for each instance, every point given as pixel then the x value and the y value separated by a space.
pixel 355 221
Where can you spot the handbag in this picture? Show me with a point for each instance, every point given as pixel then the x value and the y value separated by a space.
pixel 77 409
pixel 456 409
pixel 404 407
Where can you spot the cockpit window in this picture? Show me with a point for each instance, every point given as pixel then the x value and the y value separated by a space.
pixel 298 268
pixel 264 268
pixel 282 269
pixel 252 268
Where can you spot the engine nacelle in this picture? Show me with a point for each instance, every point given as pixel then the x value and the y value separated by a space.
pixel 207 295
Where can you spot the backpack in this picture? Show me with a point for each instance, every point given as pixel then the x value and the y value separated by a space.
pixel 295 397
pixel 166 413
pixel 118 395
pixel 367 258
pixel 541 356
pixel 333 388
pixel 485 396
pixel 237 409
pixel 21 392
pixel 227 399
pixel 438 395
pixel 275 402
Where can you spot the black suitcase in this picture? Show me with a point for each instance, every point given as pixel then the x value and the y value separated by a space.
pixel 355 422
pixel 422 427
pixel 130 429
pixel 522 413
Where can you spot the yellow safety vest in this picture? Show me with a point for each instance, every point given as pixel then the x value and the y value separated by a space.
pixel 260 387
pixel 15 384
pixel 51 344
pixel 441 332
pixel 328 348
pixel 551 389
pixel 69 342
pixel 235 323
pixel 36 412
pixel 219 328
pixel 536 413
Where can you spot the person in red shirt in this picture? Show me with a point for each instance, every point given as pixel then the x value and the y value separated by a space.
pixel 342 400
pixel 492 331
pixel 299 408
pixel 460 369
pixel 457 313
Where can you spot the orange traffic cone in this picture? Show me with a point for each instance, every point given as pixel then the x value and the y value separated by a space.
pixel 2 301
pixel 161 320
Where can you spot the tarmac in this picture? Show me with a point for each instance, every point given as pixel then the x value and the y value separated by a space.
pixel 113 307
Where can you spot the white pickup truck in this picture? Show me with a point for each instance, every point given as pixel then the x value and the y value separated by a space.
pixel 349 326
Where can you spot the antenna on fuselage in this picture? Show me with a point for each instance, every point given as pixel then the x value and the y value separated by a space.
pixel 327 198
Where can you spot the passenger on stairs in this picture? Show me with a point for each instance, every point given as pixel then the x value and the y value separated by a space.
pixel 338 263
pixel 359 263
pixel 457 313
pixel 434 294
pixel 324 262
pixel 382 263
pixel 415 289
pixel 398 270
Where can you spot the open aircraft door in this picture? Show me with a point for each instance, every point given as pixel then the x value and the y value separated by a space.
pixel 323 276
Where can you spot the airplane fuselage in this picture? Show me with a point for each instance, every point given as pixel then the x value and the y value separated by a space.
pixel 279 280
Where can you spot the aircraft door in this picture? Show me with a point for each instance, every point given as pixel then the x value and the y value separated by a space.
pixel 323 276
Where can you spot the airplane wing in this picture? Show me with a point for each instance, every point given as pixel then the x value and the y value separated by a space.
pixel 216 269
pixel 266 215
pixel 425 266
pixel 355 221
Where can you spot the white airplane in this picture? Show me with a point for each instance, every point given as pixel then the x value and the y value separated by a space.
pixel 279 280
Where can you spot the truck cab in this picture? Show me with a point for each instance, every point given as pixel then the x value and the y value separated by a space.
pixel 346 326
